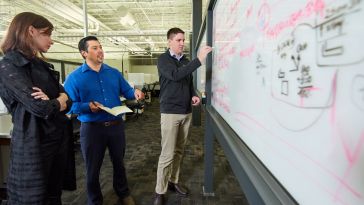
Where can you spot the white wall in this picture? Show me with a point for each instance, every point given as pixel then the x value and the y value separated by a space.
pixel 117 63
pixel 68 68
pixel 149 69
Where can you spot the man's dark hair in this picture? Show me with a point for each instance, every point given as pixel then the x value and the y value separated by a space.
pixel 174 31
pixel 82 45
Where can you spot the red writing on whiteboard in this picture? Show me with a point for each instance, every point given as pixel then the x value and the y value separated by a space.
pixel 219 95
pixel 247 52
pixel 309 89
pixel 249 12
pixel 312 7
pixel 221 103
pixel 251 121
pixel 234 6
pixel 264 15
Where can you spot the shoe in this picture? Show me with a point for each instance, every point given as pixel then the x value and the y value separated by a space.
pixel 178 189
pixel 127 201
pixel 159 199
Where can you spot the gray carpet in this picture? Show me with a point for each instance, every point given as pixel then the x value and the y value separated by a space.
pixel 143 149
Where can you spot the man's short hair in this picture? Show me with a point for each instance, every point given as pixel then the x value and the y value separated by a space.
pixel 82 45
pixel 174 31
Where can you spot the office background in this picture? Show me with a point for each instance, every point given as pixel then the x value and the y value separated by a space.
pixel 277 91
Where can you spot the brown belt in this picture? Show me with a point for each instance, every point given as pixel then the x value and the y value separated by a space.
pixel 107 123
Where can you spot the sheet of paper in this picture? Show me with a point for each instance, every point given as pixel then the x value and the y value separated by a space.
pixel 116 110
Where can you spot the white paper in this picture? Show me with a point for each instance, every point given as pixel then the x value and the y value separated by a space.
pixel 116 110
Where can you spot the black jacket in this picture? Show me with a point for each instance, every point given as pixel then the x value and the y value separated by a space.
pixel 176 85
pixel 35 123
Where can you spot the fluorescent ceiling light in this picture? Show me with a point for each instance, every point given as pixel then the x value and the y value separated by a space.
pixel 127 20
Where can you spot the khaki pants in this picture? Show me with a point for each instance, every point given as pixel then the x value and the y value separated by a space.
pixel 174 128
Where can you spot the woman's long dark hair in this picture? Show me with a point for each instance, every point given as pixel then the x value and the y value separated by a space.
pixel 18 38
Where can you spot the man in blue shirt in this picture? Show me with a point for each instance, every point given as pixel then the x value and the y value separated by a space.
pixel 91 85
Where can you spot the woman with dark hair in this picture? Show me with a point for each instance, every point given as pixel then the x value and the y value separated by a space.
pixel 30 89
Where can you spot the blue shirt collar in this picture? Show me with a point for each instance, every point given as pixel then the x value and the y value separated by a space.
pixel 85 67
pixel 175 55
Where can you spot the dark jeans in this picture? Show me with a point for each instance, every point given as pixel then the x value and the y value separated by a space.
pixel 95 138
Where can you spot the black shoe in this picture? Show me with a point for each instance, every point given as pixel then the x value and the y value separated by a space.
pixel 178 189
pixel 159 199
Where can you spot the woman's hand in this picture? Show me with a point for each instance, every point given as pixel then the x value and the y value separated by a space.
pixel 39 94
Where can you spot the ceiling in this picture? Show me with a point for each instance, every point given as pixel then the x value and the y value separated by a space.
pixel 133 27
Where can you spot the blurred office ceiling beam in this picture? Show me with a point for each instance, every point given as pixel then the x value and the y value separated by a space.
pixel 152 20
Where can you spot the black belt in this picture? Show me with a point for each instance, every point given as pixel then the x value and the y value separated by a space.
pixel 107 123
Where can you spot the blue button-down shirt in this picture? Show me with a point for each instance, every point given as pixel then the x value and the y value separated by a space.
pixel 84 85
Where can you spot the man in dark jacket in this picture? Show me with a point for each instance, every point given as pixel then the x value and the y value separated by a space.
pixel 176 97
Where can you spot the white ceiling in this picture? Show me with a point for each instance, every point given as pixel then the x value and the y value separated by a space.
pixel 152 19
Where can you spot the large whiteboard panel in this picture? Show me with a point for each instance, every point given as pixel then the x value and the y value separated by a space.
pixel 201 71
pixel 288 77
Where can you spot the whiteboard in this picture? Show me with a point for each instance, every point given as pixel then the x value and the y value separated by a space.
pixel 201 71
pixel 288 77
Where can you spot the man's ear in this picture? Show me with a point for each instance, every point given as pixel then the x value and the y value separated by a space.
pixel 84 54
